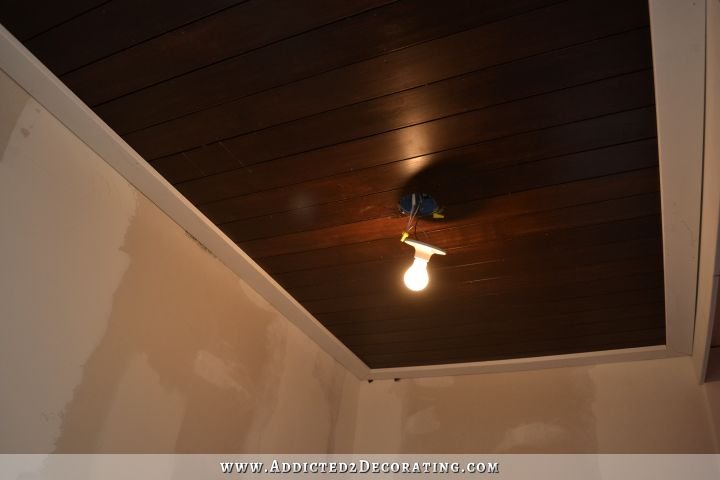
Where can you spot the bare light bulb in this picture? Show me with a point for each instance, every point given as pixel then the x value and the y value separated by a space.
pixel 416 277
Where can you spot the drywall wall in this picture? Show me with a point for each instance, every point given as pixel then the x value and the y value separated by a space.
pixel 653 406
pixel 120 333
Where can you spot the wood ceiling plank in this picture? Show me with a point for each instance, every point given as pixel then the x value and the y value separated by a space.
pixel 115 26
pixel 405 69
pixel 327 219
pixel 551 334
pixel 481 329
pixel 533 244
pixel 527 176
pixel 557 26
pixel 628 337
pixel 558 69
pixel 495 84
pixel 189 165
pixel 615 280
pixel 491 218
pixel 495 153
pixel 222 159
pixel 245 27
pixel 405 318
pixel 178 168
pixel 607 96
pixel 27 19
pixel 530 202
pixel 584 214
pixel 445 282
pixel 395 26
pixel 355 209
pixel 390 279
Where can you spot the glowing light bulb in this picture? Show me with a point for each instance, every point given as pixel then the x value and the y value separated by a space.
pixel 416 277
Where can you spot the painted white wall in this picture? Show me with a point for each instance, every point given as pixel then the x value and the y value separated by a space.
pixel 120 333
pixel 653 406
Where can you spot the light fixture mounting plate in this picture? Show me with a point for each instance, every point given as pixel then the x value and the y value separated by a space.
pixel 419 204
pixel 425 249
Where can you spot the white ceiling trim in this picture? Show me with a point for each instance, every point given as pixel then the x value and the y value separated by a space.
pixel 681 178
pixel 523 364
pixel 678 44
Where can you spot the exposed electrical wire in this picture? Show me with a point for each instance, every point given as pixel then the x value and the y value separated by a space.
pixel 415 206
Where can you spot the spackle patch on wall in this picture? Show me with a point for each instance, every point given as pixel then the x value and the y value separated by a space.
pixel 69 213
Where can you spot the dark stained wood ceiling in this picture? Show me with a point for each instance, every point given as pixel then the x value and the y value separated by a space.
pixel 295 126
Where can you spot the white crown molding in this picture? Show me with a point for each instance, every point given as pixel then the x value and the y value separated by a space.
pixel 678 44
